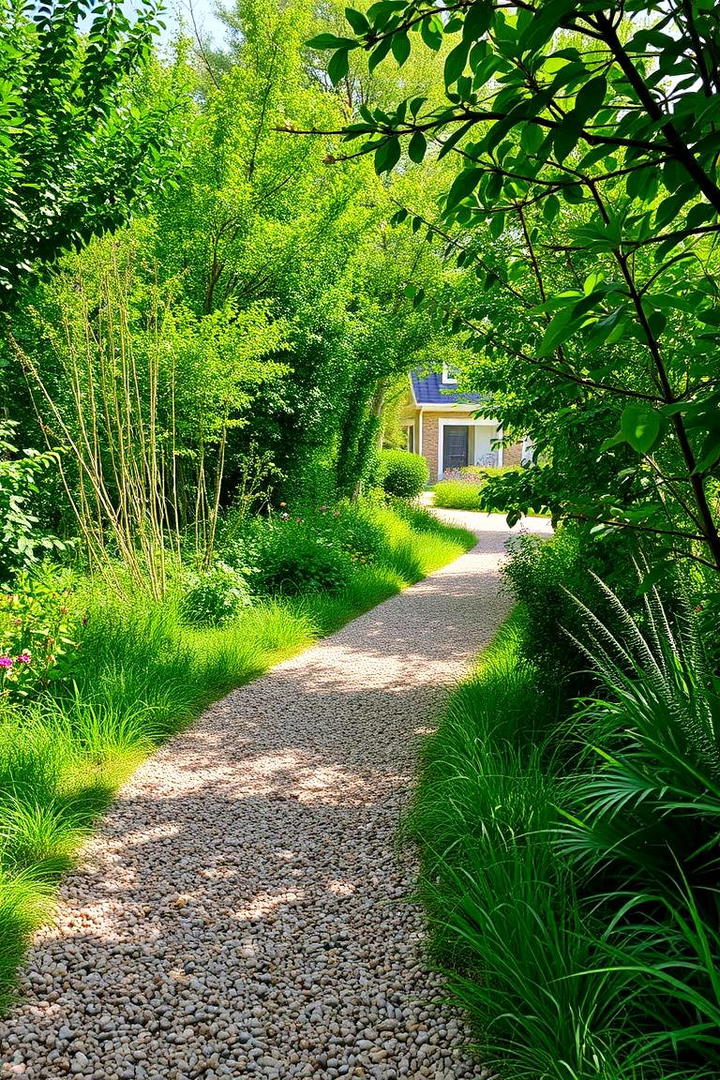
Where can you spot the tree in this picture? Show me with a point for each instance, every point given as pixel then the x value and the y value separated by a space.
pixel 588 140
pixel 256 216
pixel 79 143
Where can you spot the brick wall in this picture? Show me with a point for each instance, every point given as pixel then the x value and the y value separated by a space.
pixel 430 443
pixel 512 455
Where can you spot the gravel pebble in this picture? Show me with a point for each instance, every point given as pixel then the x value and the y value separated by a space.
pixel 240 911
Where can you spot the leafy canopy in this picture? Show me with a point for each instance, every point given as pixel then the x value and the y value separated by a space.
pixel 587 136
pixel 78 141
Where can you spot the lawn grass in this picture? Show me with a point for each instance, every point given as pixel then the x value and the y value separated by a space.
pixel 463 495
pixel 141 674
pixel 457 495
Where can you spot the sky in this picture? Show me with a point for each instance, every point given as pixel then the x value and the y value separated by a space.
pixel 205 17
pixel 180 10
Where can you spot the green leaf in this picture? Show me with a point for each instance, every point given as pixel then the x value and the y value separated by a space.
pixel 357 20
pixel 400 47
pixel 642 427
pixel 492 188
pixel 551 207
pixel 387 155
pixel 339 66
pixel 531 138
pixel 614 440
pixel 710 451
pixel 497 225
pixel 464 183
pixel 560 327
pixel 379 14
pixel 590 97
pixel 331 41
pixel 431 37
pixel 566 136
pixel 417 147
pixel 543 24
pixel 477 21
pixel 455 63
pixel 379 54
pixel 455 138
pixel 699 214
pixel 659 572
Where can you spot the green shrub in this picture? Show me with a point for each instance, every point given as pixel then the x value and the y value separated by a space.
pixel 647 800
pixel 40 631
pixel 463 488
pixel 642 817
pixel 213 597
pixel 295 559
pixel 353 528
pixel 402 474
pixel 541 573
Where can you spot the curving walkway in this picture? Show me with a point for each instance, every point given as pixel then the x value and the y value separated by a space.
pixel 240 912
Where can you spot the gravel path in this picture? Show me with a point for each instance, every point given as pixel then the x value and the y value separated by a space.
pixel 239 913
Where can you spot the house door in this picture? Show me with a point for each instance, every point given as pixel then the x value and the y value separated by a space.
pixel 455 446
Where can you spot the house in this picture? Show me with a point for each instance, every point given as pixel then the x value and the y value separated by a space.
pixel 448 429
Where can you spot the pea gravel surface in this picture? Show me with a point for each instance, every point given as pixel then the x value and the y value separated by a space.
pixel 242 910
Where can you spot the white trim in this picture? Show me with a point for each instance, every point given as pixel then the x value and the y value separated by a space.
pixel 420 433
pixel 463 421
pixel 463 407
pixel 500 447
pixel 412 388
pixel 446 378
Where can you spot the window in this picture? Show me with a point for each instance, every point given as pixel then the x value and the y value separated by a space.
pixel 409 431
pixel 449 375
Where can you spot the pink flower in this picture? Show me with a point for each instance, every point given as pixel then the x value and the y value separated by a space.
pixel 24 658
pixel 6 661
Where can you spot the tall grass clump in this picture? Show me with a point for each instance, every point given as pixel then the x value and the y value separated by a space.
pixel 569 847
pixel 505 923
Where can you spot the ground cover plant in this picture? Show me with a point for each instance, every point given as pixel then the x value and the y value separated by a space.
pixel 94 680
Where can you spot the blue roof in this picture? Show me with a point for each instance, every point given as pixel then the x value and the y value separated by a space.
pixel 430 390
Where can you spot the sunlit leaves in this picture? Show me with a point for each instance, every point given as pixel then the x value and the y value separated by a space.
pixel 79 144
pixel 586 143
